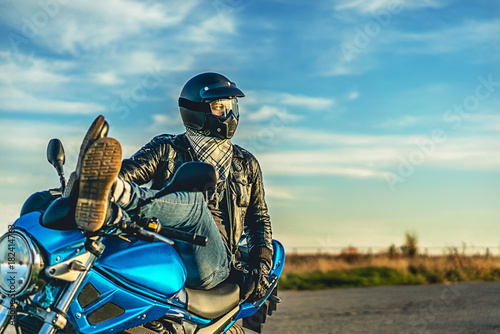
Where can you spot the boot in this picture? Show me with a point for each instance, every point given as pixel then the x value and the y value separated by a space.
pixel 98 129
pixel 98 173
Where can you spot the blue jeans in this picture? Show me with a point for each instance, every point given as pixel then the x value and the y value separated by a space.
pixel 207 265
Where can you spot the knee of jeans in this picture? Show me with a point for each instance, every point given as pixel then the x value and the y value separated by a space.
pixel 183 198
pixel 198 197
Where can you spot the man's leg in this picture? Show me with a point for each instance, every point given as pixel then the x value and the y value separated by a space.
pixel 206 266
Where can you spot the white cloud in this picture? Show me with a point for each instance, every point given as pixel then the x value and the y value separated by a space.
pixel 108 78
pixel 324 162
pixel 30 136
pixel 372 156
pixel 354 52
pixel 341 68
pixel 164 119
pixel 9 180
pixel 482 123
pixel 284 98
pixel 28 70
pixel 172 123
pixel 468 35
pixel 103 41
pixel 265 113
pixel 144 62
pixel 104 47
pixel 468 153
pixel 23 147
pixel 353 95
pixel 315 137
pixel 401 122
pixel 40 80
pixel 207 32
pixel 338 62
pixel 12 100
pixel 78 25
pixel 310 103
pixel 279 193
pixel 370 6
pixel 264 105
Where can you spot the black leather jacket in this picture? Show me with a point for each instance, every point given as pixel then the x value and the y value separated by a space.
pixel 159 159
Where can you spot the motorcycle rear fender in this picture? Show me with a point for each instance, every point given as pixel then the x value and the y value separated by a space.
pixel 249 309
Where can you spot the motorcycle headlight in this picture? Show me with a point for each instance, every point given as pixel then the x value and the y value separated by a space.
pixel 20 264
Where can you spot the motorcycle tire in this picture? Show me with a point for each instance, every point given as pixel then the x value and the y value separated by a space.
pixel 235 329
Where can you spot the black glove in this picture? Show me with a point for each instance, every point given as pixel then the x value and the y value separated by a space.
pixel 260 278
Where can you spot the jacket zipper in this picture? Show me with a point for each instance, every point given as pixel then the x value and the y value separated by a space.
pixel 232 246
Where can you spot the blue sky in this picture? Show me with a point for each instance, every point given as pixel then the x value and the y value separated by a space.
pixel 369 118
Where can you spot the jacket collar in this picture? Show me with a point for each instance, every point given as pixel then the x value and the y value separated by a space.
pixel 181 142
pixel 237 153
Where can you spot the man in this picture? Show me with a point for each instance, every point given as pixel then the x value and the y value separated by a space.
pixel 209 110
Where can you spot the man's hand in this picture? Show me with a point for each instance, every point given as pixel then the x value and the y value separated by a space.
pixel 260 276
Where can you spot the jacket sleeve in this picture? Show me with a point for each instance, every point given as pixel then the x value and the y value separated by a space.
pixel 142 166
pixel 257 221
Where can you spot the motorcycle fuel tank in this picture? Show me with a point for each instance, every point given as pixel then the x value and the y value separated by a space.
pixel 153 265
pixel 156 266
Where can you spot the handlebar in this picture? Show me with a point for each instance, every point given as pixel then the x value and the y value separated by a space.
pixel 153 236
pixel 183 236
pixel 151 229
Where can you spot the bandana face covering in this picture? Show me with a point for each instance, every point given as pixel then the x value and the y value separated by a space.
pixel 214 151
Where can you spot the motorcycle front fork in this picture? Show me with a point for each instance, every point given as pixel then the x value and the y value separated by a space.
pixel 53 320
pixel 5 316
pixel 58 320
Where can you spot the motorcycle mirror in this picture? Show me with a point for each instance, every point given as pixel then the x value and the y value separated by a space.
pixel 56 156
pixel 191 176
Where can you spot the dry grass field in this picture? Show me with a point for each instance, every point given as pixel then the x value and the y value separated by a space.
pixel 446 263
pixel 403 265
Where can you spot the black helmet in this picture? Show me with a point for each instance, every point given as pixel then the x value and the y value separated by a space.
pixel 200 95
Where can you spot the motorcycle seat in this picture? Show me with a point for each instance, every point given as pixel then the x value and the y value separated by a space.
pixel 215 302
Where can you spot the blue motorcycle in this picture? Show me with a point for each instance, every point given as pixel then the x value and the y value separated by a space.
pixel 57 279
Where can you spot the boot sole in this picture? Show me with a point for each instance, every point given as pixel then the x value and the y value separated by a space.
pixel 98 129
pixel 91 136
pixel 99 169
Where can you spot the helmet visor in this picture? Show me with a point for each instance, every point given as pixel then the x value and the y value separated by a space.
pixel 223 107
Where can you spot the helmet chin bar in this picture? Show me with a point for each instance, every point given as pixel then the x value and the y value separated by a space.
pixel 221 128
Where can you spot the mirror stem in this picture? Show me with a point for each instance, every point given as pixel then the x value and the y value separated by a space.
pixel 63 183
pixel 60 171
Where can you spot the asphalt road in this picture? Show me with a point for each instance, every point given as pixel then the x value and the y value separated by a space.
pixel 472 307
pixel 453 308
